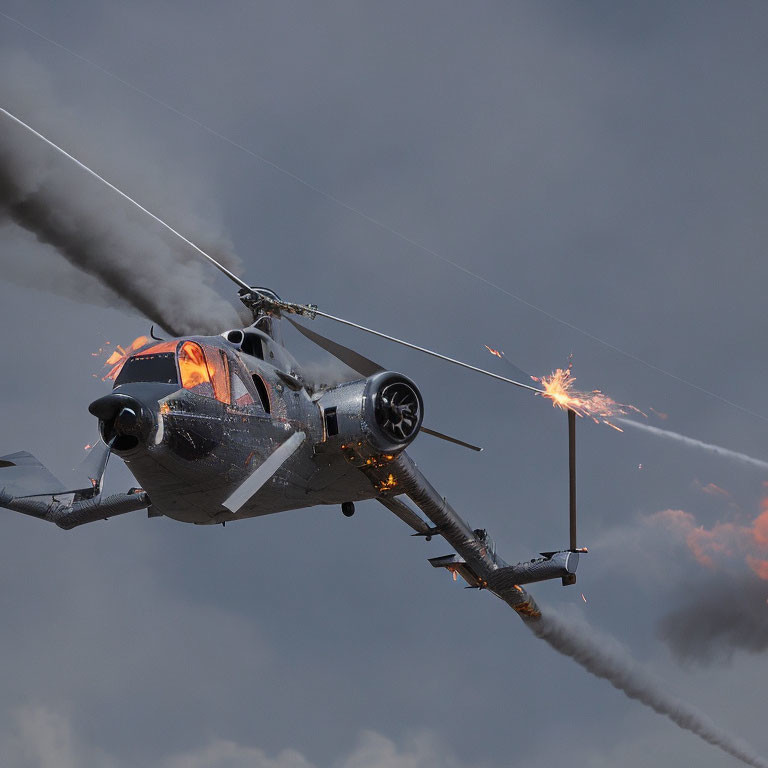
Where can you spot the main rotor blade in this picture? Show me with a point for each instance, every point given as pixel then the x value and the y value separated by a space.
pixel 450 439
pixel 231 275
pixel 349 357
pixel 426 351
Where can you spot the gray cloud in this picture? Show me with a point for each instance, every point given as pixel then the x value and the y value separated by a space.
pixel 720 614
pixel 42 738
pixel 602 161
pixel 603 657
pixel 715 605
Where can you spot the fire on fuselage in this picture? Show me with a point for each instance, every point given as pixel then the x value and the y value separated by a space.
pixel 198 368
pixel 157 378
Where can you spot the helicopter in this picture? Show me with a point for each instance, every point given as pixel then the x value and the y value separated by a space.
pixel 219 429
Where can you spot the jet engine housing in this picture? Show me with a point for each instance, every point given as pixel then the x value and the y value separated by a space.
pixel 370 417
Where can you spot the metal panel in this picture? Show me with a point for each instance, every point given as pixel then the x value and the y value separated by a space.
pixel 274 461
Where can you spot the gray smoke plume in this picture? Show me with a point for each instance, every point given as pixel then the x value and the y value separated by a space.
pixel 327 373
pixel 604 657
pixel 94 230
pixel 725 615
pixel 713 611
pixel 742 458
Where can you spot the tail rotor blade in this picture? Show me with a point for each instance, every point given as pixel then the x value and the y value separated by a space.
pixel 450 439
pixel 94 466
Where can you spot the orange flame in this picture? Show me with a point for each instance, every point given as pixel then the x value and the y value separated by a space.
pixel 558 387
pixel 194 371
pixel 390 482
pixel 118 357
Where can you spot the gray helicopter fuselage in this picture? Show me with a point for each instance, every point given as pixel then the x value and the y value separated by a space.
pixel 218 429
pixel 224 428
pixel 190 450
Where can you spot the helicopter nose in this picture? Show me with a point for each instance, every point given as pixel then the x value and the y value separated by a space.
pixel 127 422
pixel 123 420
pixel 108 407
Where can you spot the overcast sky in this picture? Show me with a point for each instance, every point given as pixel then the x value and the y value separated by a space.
pixel 604 162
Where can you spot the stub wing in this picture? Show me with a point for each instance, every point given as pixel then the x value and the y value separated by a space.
pixel 77 513
pixel 21 474
pixel 26 486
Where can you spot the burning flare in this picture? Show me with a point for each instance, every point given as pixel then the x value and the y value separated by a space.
pixel 558 387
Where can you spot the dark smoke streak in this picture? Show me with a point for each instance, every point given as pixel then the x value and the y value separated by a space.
pixel 92 230
pixel 718 619
pixel 711 612
pixel 604 658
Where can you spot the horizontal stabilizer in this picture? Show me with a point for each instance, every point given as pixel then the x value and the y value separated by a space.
pixel 561 565
pixel 21 474
pixel 456 565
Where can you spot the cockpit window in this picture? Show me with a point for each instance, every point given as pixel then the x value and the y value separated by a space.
pixel 241 397
pixel 159 368
pixel 218 368
pixel 261 388
pixel 252 345
pixel 121 356
pixel 204 372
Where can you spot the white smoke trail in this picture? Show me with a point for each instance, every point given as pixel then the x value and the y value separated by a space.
pixel 604 657
pixel 692 443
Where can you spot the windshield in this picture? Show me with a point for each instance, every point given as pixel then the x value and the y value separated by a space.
pixel 196 367
pixel 159 368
